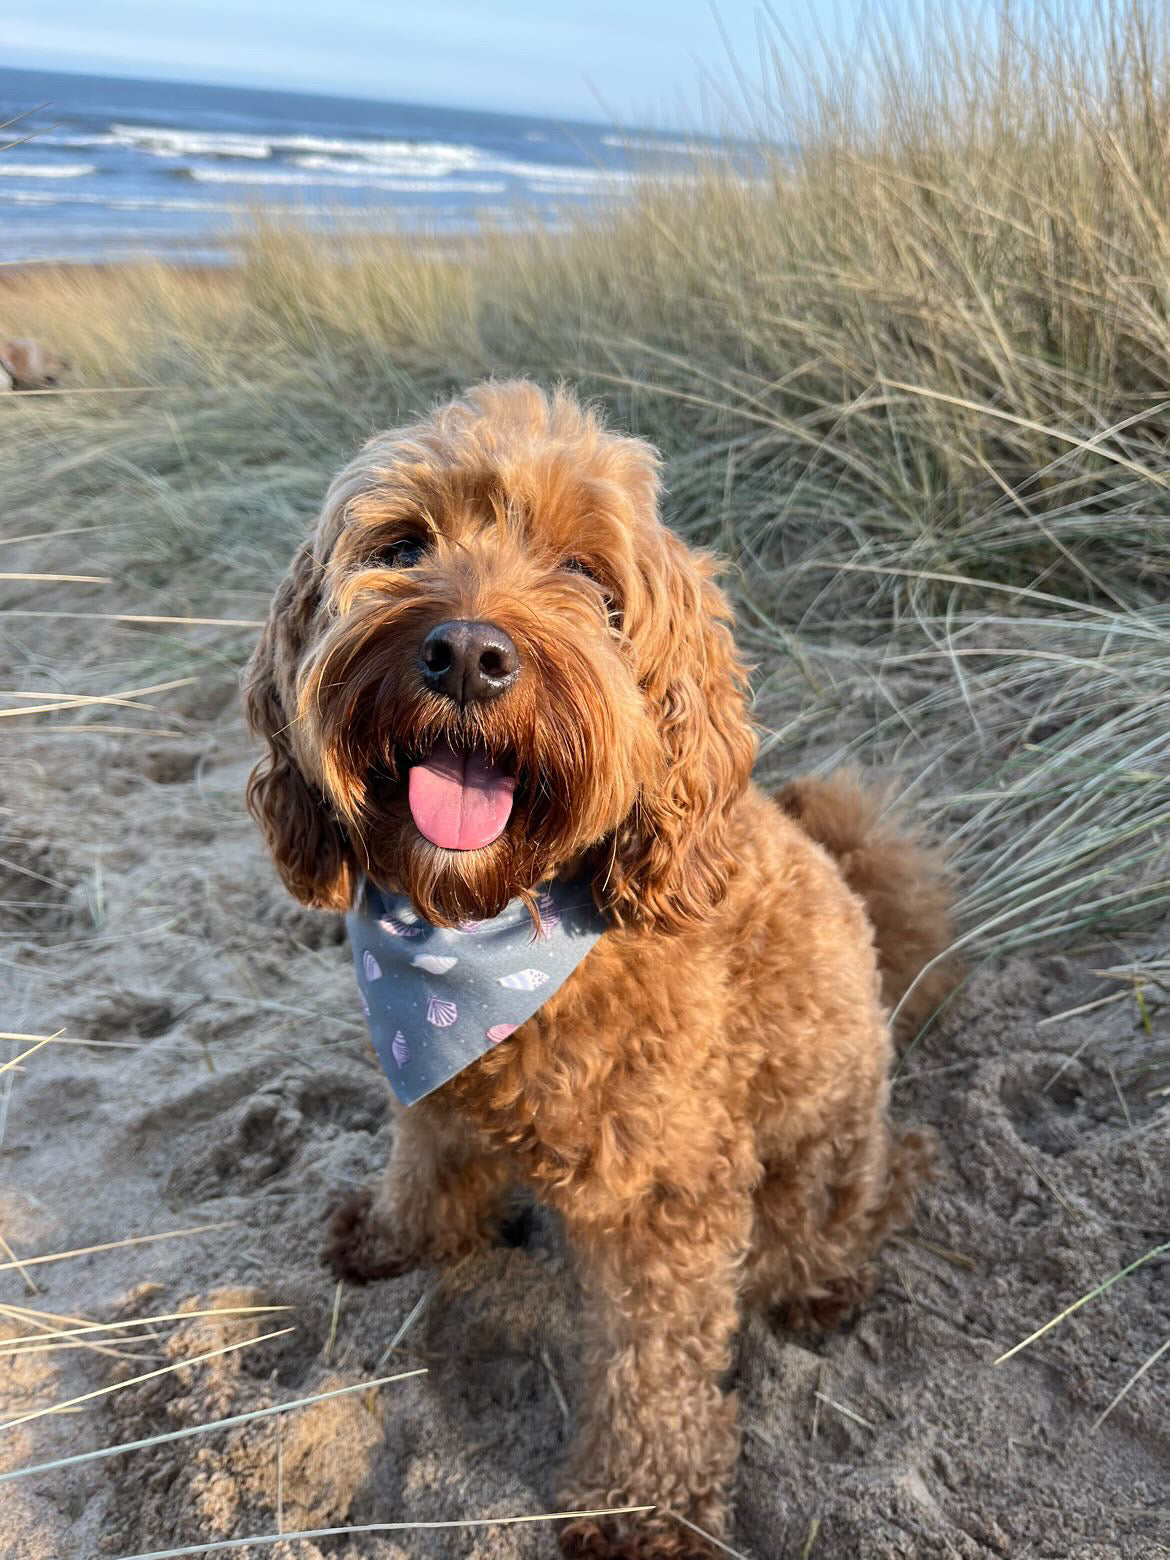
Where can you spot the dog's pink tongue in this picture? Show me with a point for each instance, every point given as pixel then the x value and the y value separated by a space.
pixel 459 800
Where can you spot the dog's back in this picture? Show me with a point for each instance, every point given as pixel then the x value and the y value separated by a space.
pixel 906 885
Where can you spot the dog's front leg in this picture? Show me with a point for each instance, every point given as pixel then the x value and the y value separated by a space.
pixel 439 1199
pixel 656 1428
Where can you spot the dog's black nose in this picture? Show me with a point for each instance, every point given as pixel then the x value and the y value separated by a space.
pixel 468 661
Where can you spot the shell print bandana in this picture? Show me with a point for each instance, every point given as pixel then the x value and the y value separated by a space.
pixel 437 998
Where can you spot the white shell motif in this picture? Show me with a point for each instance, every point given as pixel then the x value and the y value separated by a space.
pixel 550 916
pixel 400 1048
pixel 394 927
pixel 370 966
pixel 433 963
pixel 523 980
pixel 441 1013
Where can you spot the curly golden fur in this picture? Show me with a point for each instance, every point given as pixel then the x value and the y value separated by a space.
pixel 705 1099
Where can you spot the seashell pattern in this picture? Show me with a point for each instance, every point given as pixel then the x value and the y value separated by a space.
pixel 523 980
pixel 437 997
pixel 441 1012
pixel 394 926
pixel 550 916
pixel 433 963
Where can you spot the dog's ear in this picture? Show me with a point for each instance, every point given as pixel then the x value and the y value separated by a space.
pixel 671 858
pixel 310 849
pixel 16 357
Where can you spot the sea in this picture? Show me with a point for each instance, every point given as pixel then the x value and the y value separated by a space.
pixel 97 168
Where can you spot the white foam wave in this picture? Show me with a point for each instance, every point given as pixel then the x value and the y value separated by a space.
pixel 364 178
pixel 412 164
pixel 646 143
pixel 189 143
pixel 78 140
pixel 113 202
pixel 397 156
pixel 17 170
pixel 346 157
pixel 413 155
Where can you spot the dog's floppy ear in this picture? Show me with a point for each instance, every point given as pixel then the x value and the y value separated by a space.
pixel 311 852
pixel 16 358
pixel 671 858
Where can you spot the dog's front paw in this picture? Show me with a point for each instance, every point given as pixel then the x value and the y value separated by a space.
pixel 627 1538
pixel 361 1246
pixel 835 1303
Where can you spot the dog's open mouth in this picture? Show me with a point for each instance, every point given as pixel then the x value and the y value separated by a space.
pixel 460 799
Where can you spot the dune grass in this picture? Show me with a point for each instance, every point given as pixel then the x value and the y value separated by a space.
pixel 909 364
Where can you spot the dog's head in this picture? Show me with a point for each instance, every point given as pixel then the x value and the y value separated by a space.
pixel 492 664
pixel 30 366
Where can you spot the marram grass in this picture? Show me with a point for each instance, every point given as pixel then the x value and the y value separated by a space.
pixel 909 365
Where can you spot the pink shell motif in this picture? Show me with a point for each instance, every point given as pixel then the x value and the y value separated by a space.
pixel 400 1048
pixel 393 927
pixel 550 916
pixel 468 928
pixel 370 966
pixel 500 1032
pixel 441 1013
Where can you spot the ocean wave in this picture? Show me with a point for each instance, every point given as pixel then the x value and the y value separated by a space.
pixel 346 156
pixel 454 153
pixel 165 142
pixel 646 143
pixel 368 179
pixel 104 139
pixel 425 162
pixel 114 202
pixel 351 155
pixel 17 170
pixel 398 156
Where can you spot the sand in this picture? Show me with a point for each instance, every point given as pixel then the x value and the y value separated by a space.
pixel 234 1086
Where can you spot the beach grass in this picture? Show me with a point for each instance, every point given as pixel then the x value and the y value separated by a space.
pixel 908 361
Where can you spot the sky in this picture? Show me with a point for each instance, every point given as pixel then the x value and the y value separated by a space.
pixel 638 62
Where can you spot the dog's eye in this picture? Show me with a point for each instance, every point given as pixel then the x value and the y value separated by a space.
pixel 579 566
pixel 402 554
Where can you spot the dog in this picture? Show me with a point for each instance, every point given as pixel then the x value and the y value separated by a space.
pixel 704 1100
pixel 26 365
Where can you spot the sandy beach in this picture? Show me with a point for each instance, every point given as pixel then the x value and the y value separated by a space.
pixel 228 1088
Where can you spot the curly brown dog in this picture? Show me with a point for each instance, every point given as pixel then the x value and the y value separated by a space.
pixel 704 1100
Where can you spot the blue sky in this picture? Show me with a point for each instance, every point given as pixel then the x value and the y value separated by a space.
pixel 642 59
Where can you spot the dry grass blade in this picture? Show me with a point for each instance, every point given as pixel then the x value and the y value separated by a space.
pixel 1133 1380
pixel 15 1345
pixel 115 1245
pixel 29 1281
pixel 849 1413
pixel 214 1424
pixel 31 1051
pixel 219 1546
pixel 60 579
pixel 724 1549
pixel 133 617
pixel 133 1381
pixel 129 698
pixel 1100 1289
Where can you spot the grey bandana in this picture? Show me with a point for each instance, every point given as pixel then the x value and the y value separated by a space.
pixel 437 998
